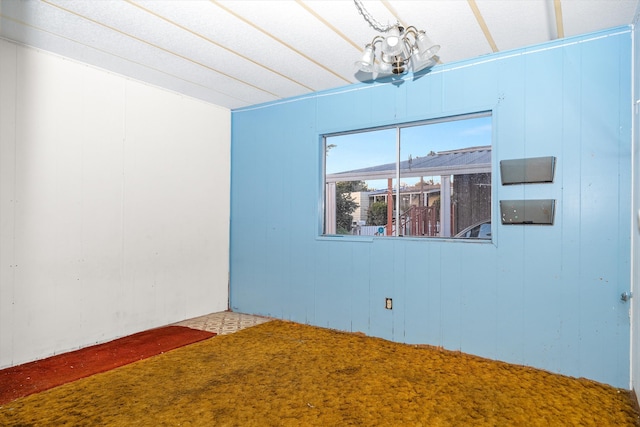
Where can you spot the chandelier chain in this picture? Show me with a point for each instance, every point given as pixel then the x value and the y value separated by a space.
pixel 373 23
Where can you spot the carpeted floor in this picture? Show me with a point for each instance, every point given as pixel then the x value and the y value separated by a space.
pixel 286 374
pixel 34 377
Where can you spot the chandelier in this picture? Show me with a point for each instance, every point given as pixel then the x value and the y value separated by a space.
pixel 397 50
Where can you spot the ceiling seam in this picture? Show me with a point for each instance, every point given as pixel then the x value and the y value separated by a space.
pixel 17 21
pixel 328 24
pixel 159 47
pixel 483 24
pixel 182 27
pixel 245 20
pixel 557 7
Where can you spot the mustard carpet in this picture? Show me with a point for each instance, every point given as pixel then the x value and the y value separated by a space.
pixel 286 374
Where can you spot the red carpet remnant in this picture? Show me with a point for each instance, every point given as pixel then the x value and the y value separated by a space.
pixel 23 380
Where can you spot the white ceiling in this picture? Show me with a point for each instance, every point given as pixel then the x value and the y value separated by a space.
pixel 239 53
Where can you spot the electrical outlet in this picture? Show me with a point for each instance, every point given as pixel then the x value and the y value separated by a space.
pixel 388 303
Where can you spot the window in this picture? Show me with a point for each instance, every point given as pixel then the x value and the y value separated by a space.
pixel 427 179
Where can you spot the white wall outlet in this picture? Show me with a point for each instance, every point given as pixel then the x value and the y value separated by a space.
pixel 388 303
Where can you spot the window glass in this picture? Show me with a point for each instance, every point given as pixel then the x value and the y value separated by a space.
pixel 430 179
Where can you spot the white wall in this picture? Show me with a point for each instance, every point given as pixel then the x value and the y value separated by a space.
pixel 114 205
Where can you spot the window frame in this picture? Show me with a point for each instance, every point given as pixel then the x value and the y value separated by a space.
pixel 398 127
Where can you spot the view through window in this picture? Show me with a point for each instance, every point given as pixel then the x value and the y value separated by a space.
pixel 427 179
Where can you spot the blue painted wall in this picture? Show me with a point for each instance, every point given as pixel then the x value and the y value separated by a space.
pixel 544 296
pixel 635 221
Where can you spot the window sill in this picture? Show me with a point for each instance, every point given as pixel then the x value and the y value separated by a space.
pixel 371 239
pixel 345 238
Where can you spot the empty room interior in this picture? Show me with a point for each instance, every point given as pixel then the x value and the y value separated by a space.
pixel 460 175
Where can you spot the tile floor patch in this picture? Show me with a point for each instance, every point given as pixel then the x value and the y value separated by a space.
pixel 222 323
